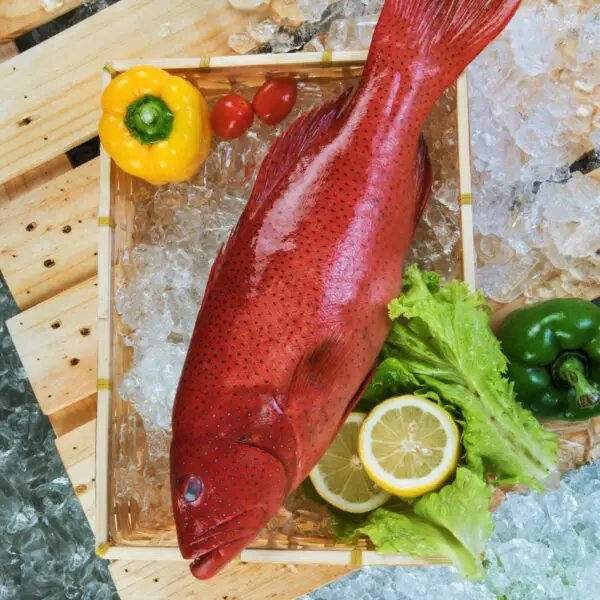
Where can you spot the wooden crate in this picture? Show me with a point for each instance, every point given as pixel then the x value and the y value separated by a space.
pixel 120 532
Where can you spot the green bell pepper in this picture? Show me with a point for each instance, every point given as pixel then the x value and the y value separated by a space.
pixel 553 350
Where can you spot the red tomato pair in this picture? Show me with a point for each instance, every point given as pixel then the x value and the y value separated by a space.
pixel 232 115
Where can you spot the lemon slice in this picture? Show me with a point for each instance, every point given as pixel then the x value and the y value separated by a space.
pixel 409 446
pixel 340 477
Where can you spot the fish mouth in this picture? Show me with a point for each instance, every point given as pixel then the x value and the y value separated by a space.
pixel 210 562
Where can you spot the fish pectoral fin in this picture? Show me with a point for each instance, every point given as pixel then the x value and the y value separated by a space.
pixel 289 147
pixel 358 395
pixel 317 366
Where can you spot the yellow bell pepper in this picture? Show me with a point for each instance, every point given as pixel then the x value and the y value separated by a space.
pixel 155 125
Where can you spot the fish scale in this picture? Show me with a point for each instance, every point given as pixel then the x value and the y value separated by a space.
pixel 295 310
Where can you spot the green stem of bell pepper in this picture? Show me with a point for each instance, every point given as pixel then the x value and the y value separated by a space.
pixel 149 119
pixel 572 370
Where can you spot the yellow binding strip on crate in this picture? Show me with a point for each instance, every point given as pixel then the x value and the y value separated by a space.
pixel 327 57
pixel 104 384
pixel 466 199
pixel 204 64
pixel 106 222
pixel 102 549
pixel 356 558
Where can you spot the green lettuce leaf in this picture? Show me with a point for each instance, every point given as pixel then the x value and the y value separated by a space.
pixel 453 523
pixel 441 338
pixel 463 509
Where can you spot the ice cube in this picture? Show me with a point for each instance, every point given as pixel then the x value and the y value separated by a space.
pixel 263 31
pixel 311 10
pixel 241 43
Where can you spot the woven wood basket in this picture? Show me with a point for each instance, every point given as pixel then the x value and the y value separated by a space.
pixel 123 529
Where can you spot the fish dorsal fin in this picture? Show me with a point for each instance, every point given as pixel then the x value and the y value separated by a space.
pixel 282 155
pixel 289 146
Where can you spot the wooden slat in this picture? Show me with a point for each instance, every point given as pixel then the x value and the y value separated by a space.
pixel 56 341
pixel 21 184
pixel 53 168
pixel 166 580
pixel 49 100
pixel 20 16
pixel 77 450
pixel 78 445
pixel 73 416
pixel 48 237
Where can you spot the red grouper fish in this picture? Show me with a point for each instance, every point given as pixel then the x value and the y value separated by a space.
pixel 295 310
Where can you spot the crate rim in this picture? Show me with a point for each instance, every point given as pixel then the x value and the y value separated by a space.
pixel 105 546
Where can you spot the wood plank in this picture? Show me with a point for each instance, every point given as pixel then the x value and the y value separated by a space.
pixel 56 341
pixel 78 445
pixel 20 16
pixel 165 580
pixel 48 237
pixel 77 450
pixel 53 168
pixel 50 105
pixel 21 184
pixel 73 416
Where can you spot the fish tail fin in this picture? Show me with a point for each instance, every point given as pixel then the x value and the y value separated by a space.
pixel 434 40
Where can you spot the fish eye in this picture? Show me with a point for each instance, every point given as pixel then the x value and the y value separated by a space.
pixel 192 488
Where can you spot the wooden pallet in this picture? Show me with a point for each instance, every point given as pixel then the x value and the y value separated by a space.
pixel 48 239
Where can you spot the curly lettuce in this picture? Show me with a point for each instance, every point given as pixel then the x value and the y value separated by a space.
pixel 441 341
pixel 453 523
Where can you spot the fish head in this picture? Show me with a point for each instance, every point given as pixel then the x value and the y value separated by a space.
pixel 223 494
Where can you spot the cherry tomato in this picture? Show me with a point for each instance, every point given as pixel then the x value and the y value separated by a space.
pixel 231 116
pixel 275 99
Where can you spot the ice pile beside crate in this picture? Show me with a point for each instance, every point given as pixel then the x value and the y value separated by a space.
pixel 544 547
pixel 535 109
pixel 179 229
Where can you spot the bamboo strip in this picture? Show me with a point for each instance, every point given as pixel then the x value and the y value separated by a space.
pixel 308 60
pixel 464 163
pixel 103 418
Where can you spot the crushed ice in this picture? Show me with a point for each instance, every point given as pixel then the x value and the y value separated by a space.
pixel 544 547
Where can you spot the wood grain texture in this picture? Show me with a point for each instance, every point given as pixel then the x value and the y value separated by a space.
pixel 56 341
pixel 77 450
pixel 48 237
pixel 20 16
pixel 166 580
pixel 73 416
pixel 17 186
pixel 48 105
